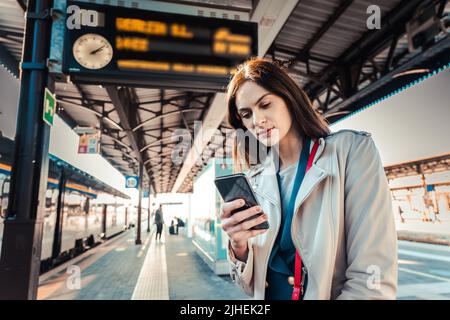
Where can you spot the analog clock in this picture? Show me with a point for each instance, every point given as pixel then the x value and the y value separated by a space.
pixel 92 51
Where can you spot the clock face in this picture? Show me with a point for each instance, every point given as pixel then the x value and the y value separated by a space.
pixel 92 51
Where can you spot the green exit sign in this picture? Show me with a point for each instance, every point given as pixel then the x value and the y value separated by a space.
pixel 49 107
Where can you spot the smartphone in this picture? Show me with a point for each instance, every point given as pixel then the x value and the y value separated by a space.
pixel 236 186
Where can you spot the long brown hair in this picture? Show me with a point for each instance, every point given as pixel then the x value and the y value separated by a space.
pixel 274 79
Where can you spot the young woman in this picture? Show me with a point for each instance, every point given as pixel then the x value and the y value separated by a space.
pixel 325 196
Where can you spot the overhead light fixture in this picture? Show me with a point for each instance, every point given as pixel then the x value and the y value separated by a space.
pixel 413 71
pixel 113 123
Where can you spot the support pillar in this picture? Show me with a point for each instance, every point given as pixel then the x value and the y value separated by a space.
pixel 23 226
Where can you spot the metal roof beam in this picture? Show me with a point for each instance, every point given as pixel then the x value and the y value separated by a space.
pixel 442 48
pixel 334 17
pixel 183 121
pixel 388 64
pixel 22 4
pixel 125 103
pixel 177 126
pixel 267 31
pixel 84 97
pixel 91 110
pixel 161 128
pixel 301 55
pixel 171 99
pixel 122 109
pixel 9 62
pixel 94 101
pixel 369 44
pixel 164 115
pixel 80 106
pixel 67 118
pixel 7 34
pixel 154 143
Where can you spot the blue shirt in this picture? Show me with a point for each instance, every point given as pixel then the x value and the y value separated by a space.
pixel 282 258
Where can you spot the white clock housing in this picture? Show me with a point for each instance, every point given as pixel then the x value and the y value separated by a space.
pixel 92 51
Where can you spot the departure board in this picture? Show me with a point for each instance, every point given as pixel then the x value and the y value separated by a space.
pixel 126 46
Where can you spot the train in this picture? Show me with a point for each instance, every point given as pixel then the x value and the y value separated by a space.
pixel 80 210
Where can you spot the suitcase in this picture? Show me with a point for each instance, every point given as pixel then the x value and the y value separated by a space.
pixel 171 230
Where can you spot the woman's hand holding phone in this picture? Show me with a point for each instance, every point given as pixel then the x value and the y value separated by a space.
pixel 237 229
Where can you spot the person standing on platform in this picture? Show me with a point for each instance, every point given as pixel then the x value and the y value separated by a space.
pixel 400 212
pixel 325 195
pixel 159 221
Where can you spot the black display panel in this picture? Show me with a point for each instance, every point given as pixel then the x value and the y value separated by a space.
pixel 135 47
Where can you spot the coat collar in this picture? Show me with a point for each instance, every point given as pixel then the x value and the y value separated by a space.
pixel 267 186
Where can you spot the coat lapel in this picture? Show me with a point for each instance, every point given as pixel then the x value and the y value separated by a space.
pixel 268 185
pixel 312 178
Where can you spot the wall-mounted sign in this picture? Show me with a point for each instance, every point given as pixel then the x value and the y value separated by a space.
pixel 131 181
pixel 89 141
pixel 117 45
pixel 49 107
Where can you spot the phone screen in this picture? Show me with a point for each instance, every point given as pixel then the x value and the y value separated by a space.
pixel 236 186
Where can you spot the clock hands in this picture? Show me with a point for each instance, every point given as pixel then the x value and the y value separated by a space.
pixel 92 51
pixel 97 50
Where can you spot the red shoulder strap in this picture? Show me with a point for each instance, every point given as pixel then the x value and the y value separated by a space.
pixel 298 286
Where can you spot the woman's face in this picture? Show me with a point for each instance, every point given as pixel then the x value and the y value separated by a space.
pixel 264 114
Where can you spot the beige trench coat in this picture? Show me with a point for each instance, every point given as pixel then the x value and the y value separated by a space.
pixel 343 225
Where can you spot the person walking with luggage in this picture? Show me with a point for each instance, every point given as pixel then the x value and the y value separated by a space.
pixel 173 229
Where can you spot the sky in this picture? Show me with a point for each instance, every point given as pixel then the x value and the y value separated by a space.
pixel 411 125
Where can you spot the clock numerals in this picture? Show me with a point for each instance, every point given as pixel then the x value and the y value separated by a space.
pixel 92 51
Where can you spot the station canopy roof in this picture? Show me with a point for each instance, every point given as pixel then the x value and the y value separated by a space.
pixel 431 165
pixel 325 45
pixel 72 173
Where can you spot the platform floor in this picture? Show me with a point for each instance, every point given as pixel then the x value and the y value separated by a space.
pixel 172 270
pixel 120 270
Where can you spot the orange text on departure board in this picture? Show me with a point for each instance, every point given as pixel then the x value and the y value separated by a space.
pixel 154 28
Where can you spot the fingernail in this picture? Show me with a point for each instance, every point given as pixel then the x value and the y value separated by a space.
pixel 242 202
pixel 258 209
